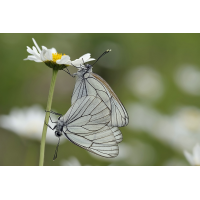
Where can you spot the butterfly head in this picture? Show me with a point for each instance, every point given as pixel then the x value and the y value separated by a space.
pixel 58 133
pixel 84 68
pixel 87 67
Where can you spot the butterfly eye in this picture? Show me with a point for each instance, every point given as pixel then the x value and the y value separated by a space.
pixel 87 65
pixel 57 134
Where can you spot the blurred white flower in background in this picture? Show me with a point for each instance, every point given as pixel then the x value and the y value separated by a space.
pixel 28 122
pixel 194 158
pixel 187 79
pixel 188 118
pixel 72 161
pixel 145 83
pixel 179 130
pixel 142 117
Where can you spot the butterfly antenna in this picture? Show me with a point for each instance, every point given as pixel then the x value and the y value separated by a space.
pixel 56 151
pixel 104 53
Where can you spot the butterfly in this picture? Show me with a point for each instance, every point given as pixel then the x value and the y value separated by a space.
pixel 86 125
pixel 89 83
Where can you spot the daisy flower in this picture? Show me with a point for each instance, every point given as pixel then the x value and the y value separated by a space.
pixel 194 158
pixel 56 61
pixel 49 56
pixel 83 59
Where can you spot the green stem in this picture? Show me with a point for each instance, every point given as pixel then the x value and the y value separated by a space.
pixel 49 102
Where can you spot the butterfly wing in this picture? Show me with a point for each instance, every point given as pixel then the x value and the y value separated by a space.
pixel 119 115
pixel 86 125
pixel 117 134
pixel 93 84
pixel 101 142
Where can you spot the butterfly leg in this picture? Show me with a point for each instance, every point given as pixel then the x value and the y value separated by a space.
pixel 53 112
pixel 83 61
pixel 51 120
pixel 68 72
pixel 49 126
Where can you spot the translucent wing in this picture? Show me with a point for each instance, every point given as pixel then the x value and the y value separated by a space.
pixel 93 84
pixel 86 125
pixel 101 142
pixel 117 134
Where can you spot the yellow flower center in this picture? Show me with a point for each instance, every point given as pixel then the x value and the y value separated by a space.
pixel 56 56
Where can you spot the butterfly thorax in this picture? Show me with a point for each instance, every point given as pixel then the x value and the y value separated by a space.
pixel 59 128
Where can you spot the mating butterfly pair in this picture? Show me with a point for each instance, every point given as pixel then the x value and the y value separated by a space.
pixel 94 116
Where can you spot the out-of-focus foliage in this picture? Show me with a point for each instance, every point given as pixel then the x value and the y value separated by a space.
pixel 156 76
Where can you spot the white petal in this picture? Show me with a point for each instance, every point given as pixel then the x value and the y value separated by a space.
pixel 38 60
pixel 85 57
pixel 30 58
pixel 35 43
pixel 53 50
pixel 43 47
pixel 46 55
pixel 64 60
pixel 43 55
pixel 35 53
pixel 90 59
pixel 29 50
pixel 77 62
pixel 189 158
pixel 49 54
pixel 33 58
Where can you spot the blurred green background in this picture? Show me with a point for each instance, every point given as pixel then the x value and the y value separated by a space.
pixel 156 76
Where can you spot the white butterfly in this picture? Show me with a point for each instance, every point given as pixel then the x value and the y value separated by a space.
pixel 89 83
pixel 86 125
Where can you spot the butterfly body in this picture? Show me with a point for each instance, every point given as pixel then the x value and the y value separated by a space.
pixel 59 127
